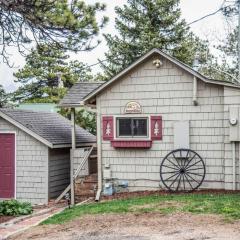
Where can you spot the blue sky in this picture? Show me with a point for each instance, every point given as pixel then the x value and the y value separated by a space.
pixel 212 28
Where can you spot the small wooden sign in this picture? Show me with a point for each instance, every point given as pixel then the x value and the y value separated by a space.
pixel 133 107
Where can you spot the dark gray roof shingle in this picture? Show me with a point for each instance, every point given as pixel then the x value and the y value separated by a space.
pixel 77 93
pixel 53 127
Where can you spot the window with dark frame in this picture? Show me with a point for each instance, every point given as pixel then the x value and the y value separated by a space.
pixel 133 127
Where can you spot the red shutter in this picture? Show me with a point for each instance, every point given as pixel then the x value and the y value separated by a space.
pixel 107 124
pixel 156 127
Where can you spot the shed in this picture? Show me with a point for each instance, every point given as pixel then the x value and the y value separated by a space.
pixel 35 154
pixel 155 107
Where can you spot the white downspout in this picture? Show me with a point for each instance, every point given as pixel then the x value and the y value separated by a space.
pixel 99 153
pixel 72 155
pixel 195 103
pixel 234 164
pixel 238 166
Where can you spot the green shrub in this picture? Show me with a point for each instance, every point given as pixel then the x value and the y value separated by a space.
pixel 15 208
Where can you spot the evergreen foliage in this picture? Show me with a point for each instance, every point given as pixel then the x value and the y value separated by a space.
pixel 39 77
pixel 146 24
pixel 71 24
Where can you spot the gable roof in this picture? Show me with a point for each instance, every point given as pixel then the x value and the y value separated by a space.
pixel 182 65
pixel 77 92
pixel 51 129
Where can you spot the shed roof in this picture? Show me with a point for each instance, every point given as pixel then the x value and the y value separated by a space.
pixel 52 129
pixel 77 93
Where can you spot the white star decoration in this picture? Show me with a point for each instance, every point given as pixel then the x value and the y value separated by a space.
pixel 156 129
pixel 108 129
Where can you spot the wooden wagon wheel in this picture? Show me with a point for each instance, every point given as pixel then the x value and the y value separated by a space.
pixel 182 170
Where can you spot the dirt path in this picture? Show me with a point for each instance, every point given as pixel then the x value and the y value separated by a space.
pixel 150 226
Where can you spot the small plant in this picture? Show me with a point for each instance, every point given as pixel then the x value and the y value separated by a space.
pixel 15 208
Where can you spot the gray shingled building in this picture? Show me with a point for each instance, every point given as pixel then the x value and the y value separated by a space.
pixel 154 107
pixel 35 154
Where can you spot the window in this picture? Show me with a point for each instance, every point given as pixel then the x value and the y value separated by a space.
pixel 132 127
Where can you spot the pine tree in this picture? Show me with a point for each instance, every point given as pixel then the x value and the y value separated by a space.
pixel 71 24
pixel 146 24
pixel 3 97
pixel 39 78
pixel 229 47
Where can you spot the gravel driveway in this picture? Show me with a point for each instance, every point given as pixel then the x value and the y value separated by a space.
pixel 149 226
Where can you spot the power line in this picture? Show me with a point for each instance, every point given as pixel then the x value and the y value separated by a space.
pixel 210 14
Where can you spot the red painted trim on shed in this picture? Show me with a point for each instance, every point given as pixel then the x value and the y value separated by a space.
pixel 131 144
pixel 7 165
pixel 107 127
pixel 156 127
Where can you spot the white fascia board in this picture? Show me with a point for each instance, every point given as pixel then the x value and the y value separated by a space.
pixel 71 105
pixel 70 145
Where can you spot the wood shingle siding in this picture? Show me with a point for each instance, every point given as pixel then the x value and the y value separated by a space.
pixel 31 166
pixel 168 92
pixel 43 142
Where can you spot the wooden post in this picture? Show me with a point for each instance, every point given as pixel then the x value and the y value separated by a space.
pixel 72 155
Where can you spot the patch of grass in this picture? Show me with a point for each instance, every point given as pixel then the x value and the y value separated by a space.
pixel 227 205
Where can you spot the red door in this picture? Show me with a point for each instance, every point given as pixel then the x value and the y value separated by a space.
pixel 7 165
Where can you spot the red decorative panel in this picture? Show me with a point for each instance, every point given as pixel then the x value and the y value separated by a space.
pixel 131 144
pixel 7 165
pixel 156 127
pixel 107 127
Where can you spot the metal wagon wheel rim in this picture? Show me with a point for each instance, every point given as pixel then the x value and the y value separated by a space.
pixel 182 170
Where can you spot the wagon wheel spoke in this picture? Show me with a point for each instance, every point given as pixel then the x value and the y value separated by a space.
pixel 194 180
pixel 184 162
pixel 174 180
pixel 190 160
pixel 188 180
pixel 187 153
pixel 170 172
pixel 173 163
pixel 179 181
pixel 171 176
pixel 194 169
pixel 176 160
pixel 170 167
pixel 194 164
pixel 184 187
pixel 196 174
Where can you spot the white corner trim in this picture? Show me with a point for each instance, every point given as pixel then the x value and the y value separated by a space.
pixel 28 131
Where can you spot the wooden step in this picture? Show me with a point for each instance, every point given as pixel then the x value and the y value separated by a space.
pixel 86 186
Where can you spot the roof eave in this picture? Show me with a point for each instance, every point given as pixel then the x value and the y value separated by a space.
pixel 86 144
pixel 71 105
pixel 140 60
